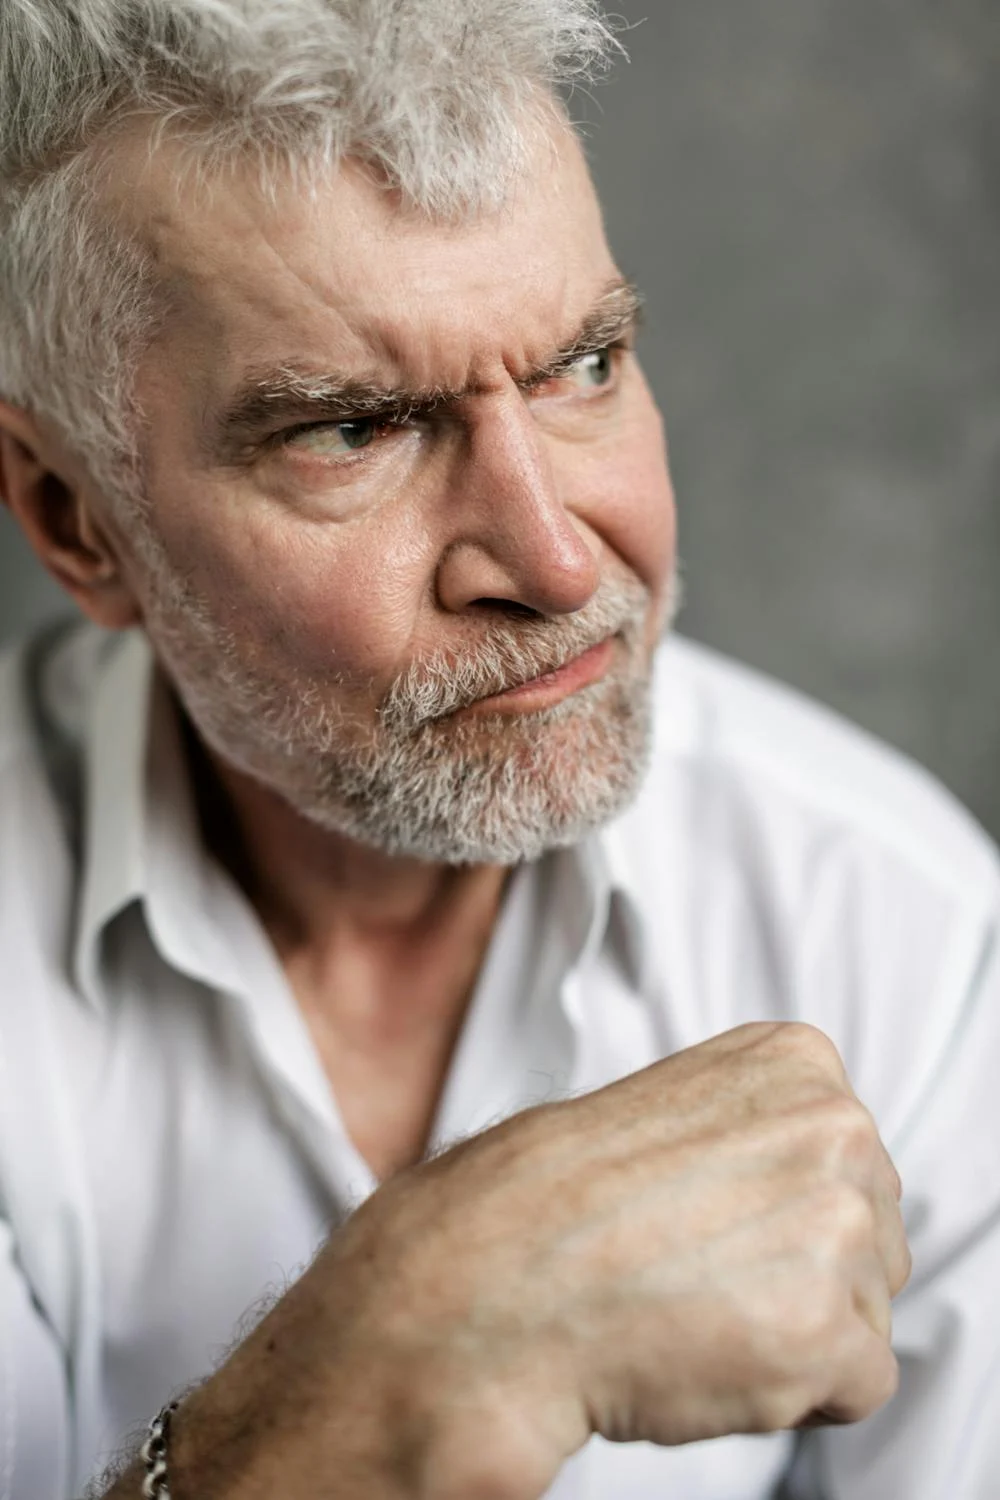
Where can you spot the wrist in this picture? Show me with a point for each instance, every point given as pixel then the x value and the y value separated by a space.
pixel 154 1454
pixel 356 1440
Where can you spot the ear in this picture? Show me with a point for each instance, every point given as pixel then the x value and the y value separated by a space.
pixel 49 499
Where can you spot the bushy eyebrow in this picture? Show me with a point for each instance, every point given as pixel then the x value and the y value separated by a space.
pixel 609 321
pixel 286 394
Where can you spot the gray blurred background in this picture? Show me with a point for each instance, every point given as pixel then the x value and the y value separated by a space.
pixel 809 193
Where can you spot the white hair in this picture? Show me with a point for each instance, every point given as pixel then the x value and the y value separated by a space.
pixel 438 96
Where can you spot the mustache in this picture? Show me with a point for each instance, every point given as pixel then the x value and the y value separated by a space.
pixel 510 655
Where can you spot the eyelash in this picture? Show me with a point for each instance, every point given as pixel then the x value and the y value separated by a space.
pixel 284 438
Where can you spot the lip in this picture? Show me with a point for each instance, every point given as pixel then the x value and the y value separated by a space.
pixel 541 692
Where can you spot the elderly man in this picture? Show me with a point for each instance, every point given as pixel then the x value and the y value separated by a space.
pixel 396 939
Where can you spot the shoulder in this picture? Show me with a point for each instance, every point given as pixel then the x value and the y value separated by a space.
pixel 765 746
pixel 786 865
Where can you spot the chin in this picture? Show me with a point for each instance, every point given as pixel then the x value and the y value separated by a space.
pixel 500 789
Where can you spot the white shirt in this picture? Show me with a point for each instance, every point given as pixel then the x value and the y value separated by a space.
pixel 170 1151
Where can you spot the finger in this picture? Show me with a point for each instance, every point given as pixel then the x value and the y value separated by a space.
pixel 870 1294
pixel 888 1170
pixel 866 1379
pixel 893 1246
pixel 890 1230
pixel 874 1173
pixel 894 1177
pixel 814 1050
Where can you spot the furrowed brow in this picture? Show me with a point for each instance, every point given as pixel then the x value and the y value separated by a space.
pixel 273 398
pixel 611 320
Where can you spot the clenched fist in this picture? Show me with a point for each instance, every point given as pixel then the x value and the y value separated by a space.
pixel 709 1246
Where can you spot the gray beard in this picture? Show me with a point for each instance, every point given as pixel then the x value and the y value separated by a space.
pixel 490 789
pixel 499 789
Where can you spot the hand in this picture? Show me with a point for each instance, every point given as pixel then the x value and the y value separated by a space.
pixel 706 1247
pixel 709 1246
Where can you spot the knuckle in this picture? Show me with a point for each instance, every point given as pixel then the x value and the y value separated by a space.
pixel 802 1040
pixel 875 1368
pixel 901 1267
pixel 905 1264
pixel 779 1409
pixel 755 1031
pixel 800 1325
pixel 849 1124
pixel 889 1385
pixel 819 1320
pixel 843 1217
pixel 841 1135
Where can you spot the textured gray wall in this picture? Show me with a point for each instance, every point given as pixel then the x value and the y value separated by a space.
pixel 809 193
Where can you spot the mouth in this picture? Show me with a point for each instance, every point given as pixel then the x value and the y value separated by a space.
pixel 551 687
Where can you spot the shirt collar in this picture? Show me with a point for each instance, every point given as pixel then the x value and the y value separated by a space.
pixel 114 754
pixel 616 885
pixel 639 867
pixel 142 840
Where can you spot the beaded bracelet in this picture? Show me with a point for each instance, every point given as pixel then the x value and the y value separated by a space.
pixel 153 1453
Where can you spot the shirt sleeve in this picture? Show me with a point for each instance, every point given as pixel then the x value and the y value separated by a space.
pixel 34 1410
pixel 939 1438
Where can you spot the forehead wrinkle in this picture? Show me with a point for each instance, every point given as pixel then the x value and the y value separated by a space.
pixel 267 392
pixel 614 312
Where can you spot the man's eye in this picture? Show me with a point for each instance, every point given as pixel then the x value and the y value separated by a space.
pixel 333 439
pixel 593 371
pixel 597 368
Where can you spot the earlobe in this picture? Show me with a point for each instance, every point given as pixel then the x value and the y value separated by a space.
pixel 53 511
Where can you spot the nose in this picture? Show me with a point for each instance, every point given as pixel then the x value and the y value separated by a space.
pixel 514 539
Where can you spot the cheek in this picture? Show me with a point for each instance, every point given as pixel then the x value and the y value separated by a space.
pixel 648 519
pixel 322 600
pixel 622 491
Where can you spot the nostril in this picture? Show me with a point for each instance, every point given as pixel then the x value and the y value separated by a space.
pixel 507 607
